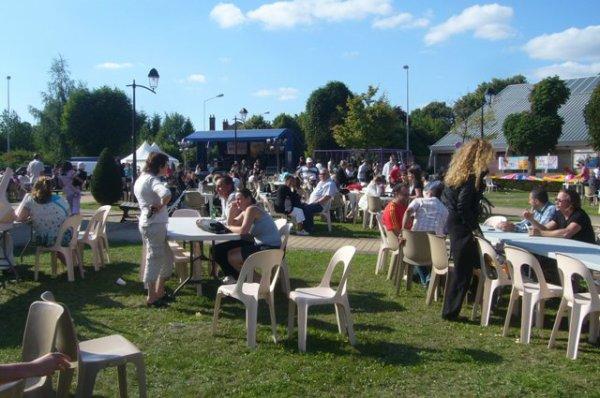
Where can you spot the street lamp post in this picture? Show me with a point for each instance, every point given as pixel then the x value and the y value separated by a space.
pixel 242 118
pixel 204 108
pixel 8 112
pixel 487 99
pixel 153 83
pixel 407 112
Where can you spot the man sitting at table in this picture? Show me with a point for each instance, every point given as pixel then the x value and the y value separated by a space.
pixel 319 198
pixel 226 192
pixel 542 211
pixel 569 221
pixel 288 201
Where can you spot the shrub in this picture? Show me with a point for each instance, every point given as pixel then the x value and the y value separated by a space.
pixel 527 185
pixel 15 158
pixel 106 179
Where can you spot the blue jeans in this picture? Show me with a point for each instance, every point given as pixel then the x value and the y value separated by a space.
pixel 309 212
pixel 423 273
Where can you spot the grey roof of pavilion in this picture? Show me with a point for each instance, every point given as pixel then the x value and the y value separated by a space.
pixel 515 98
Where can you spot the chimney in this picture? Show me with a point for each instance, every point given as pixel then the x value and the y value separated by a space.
pixel 225 124
pixel 211 123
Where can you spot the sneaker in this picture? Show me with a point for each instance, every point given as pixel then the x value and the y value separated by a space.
pixel 228 280
pixel 302 233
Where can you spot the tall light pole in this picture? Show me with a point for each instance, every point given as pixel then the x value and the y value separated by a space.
pixel 204 108
pixel 487 99
pixel 8 113
pixel 407 112
pixel 153 83
pixel 242 118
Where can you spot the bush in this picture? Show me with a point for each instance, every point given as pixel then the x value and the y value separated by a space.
pixel 15 159
pixel 106 179
pixel 527 185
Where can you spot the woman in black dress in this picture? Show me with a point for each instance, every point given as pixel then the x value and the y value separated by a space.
pixel 464 188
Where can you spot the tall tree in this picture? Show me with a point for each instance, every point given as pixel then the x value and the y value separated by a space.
pixel 325 108
pixel 21 133
pixel 174 128
pixel 149 127
pixel 369 123
pixel 592 118
pixel 93 120
pixel 536 132
pixel 48 136
pixel 285 121
pixel 257 122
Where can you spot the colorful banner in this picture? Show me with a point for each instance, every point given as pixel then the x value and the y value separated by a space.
pixel 521 163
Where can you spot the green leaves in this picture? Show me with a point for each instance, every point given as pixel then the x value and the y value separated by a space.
pixel 592 118
pixel 106 180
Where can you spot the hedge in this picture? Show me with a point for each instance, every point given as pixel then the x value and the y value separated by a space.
pixel 527 185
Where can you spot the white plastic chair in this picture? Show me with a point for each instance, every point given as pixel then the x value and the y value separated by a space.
pixel 532 293
pixel 92 236
pixel 69 252
pixel 38 340
pixel 324 294
pixel 249 292
pixel 415 252
pixel 493 221
pixel 439 265
pixel 284 228
pixel 579 305
pixel 489 184
pixel 103 234
pixel 488 284
pixel 93 356
pixel 386 247
pixel 374 206
pixel 326 213
pixel 13 389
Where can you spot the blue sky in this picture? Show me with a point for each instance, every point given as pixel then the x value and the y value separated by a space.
pixel 270 55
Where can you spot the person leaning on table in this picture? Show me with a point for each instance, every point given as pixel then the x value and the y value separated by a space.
pixel 153 196
pixel 569 221
pixel 246 219
pixel 542 211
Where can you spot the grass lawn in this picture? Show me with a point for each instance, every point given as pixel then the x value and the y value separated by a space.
pixel 519 199
pixel 403 346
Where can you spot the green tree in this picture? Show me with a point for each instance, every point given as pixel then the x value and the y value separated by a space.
pixel 369 123
pixel 592 118
pixel 48 134
pixel 257 122
pixel 96 119
pixel 174 128
pixel 285 121
pixel 149 127
pixel 536 132
pixel 325 108
pixel 21 133
pixel 106 179
pixel 15 158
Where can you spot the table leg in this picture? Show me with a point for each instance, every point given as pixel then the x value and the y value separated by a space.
pixel 190 278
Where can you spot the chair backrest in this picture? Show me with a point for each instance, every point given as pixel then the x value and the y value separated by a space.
pixel 337 201
pixel 284 232
pixel 194 199
pixel 518 258
pixel 382 231
pixel 66 335
pixel 95 224
pixel 14 389
pixel 72 223
pixel 487 255
pixel 343 255
pixel 280 223
pixel 374 204
pixel 569 266
pixel 186 213
pixel 263 261
pixel 106 209
pixel 40 329
pixel 416 247
pixel 268 205
pixel 494 221
pixel 439 254
pixel 489 182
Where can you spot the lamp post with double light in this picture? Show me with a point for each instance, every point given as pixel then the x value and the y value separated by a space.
pixel 204 108
pixel 242 119
pixel 153 77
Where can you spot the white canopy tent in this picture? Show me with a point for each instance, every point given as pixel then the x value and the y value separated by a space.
pixel 143 152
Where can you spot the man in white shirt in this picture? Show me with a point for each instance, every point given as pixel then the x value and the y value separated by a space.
pixel 387 168
pixel 319 199
pixel 35 168
pixel 226 192
pixel 309 171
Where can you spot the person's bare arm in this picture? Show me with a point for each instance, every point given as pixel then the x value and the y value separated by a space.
pixel 567 232
pixel 43 366
pixel 323 200
pixel 246 218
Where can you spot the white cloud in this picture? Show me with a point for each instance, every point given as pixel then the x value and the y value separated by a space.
pixel 350 54
pixel 114 65
pixel 227 15
pixel 402 20
pixel 568 70
pixel 489 21
pixel 225 60
pixel 196 78
pixel 281 93
pixel 291 13
pixel 568 45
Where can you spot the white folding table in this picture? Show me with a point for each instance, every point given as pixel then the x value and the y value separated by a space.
pixel 184 229
pixel 587 253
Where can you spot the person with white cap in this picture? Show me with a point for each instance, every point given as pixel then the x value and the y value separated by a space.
pixel 309 171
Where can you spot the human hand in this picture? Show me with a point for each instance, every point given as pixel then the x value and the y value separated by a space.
pixel 50 363
pixel 533 231
pixel 506 226
pixel 528 215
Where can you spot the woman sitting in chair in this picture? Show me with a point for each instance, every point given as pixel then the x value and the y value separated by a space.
pixel 46 211
pixel 246 218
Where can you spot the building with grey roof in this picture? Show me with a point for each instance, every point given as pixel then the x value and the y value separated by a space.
pixel 573 142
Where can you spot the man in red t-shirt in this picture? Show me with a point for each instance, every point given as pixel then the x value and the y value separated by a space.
pixel 394 211
pixel 394 175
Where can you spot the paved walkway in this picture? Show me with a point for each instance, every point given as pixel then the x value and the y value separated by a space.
pixel 363 245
